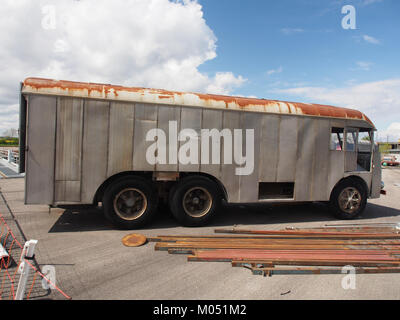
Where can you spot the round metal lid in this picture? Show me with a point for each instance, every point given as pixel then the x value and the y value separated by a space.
pixel 134 240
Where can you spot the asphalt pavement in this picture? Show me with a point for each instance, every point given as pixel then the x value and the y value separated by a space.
pixel 92 263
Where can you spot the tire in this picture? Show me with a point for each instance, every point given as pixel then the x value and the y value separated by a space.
pixel 195 200
pixel 130 203
pixel 348 199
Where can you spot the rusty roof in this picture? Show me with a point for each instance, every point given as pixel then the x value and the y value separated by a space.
pixel 159 96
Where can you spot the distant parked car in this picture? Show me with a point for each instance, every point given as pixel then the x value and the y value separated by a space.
pixel 390 160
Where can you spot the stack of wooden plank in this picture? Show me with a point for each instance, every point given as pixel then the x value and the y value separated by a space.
pixel 369 249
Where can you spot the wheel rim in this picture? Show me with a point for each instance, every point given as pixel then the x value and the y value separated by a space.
pixel 197 202
pixel 130 204
pixel 350 200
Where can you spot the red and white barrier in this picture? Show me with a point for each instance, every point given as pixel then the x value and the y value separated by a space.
pixel 9 275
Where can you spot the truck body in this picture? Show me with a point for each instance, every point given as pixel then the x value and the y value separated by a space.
pixel 77 139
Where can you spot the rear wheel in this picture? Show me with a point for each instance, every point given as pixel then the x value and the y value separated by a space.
pixel 194 201
pixel 130 203
pixel 348 199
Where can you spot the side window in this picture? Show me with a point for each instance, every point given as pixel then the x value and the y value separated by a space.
pixel 337 139
pixel 364 140
pixel 351 139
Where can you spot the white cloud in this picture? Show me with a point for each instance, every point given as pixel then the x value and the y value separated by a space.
pixel 368 2
pixel 271 72
pixel 290 31
pixel 150 43
pixel 370 39
pixel 364 65
pixel 225 83
pixel 379 100
pixel 391 134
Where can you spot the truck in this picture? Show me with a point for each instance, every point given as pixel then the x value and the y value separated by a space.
pixel 127 149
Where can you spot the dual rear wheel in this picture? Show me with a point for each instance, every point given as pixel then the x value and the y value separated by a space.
pixel 132 202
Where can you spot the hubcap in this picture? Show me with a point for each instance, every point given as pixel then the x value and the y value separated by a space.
pixel 197 202
pixel 130 204
pixel 350 200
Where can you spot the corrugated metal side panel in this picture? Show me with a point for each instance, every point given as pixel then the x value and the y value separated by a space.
pixel 249 183
pixel 95 148
pixel 305 159
pixel 321 160
pixel 288 135
pixel 336 169
pixel 231 120
pixel 191 119
pixel 165 115
pixel 145 120
pixel 377 174
pixel 69 149
pixel 69 139
pixel 269 149
pixel 67 191
pixel 41 146
pixel 212 119
pixel 120 153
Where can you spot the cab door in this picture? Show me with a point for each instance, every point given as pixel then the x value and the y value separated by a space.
pixel 350 149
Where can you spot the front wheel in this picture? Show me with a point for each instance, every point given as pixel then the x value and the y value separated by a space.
pixel 130 203
pixel 348 199
pixel 194 201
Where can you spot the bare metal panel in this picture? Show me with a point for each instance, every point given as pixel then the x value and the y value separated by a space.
pixel 69 139
pixel 41 145
pixel 350 161
pixel 376 174
pixel 336 169
pixel 287 149
pixel 249 183
pixel 145 120
pixel 191 118
pixel 336 160
pixel 67 191
pixel 321 160
pixel 365 175
pixel 305 159
pixel 231 120
pixel 269 148
pixel 120 152
pixel 212 119
pixel 95 147
pixel 69 149
pixel 166 114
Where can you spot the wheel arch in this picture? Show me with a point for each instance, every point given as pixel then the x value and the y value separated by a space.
pixel 211 177
pixel 352 178
pixel 119 176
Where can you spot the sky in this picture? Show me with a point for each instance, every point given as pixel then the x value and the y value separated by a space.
pixel 291 50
